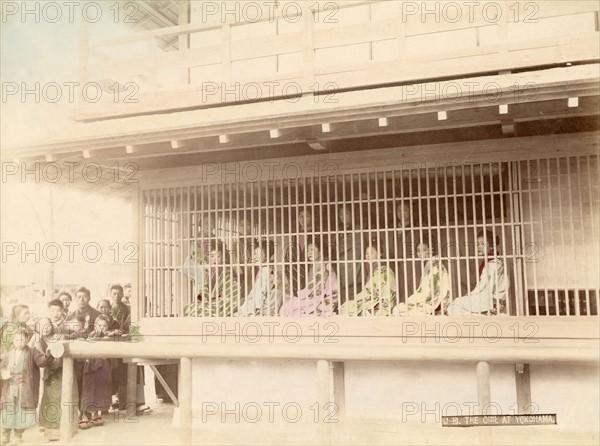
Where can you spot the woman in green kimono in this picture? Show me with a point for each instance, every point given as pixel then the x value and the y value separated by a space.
pixel 379 296
pixel 220 294
pixel 433 292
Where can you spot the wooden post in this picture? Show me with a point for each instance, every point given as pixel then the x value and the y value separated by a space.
pixel 185 400
pixel 339 389
pixel 523 384
pixel 325 395
pixel 131 395
pixel 66 398
pixel 483 387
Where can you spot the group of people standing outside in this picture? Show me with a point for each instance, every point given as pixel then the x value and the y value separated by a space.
pixel 27 349
pixel 322 274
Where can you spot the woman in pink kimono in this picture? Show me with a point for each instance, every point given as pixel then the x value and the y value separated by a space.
pixel 319 297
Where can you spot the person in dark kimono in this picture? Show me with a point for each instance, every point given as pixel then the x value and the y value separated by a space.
pixel 119 310
pixel 82 320
pixel 295 254
pixel 350 245
pixel 96 395
pixel 20 387
pixel 408 268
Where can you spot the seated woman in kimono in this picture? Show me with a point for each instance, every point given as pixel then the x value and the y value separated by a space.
pixel 489 295
pixel 266 296
pixel 319 297
pixel 378 297
pixel 195 265
pixel 220 295
pixel 433 292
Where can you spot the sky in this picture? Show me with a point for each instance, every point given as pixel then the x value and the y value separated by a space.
pixel 33 50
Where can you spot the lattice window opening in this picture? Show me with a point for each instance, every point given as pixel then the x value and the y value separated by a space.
pixel 445 207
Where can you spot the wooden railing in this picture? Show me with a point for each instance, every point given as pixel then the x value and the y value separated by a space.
pixel 392 45
pixel 329 364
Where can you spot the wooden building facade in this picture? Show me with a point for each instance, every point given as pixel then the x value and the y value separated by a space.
pixel 244 130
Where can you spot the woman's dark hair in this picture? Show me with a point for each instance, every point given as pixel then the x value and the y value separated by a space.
pixel 265 246
pixel 489 237
pixel 117 287
pixel 321 242
pixel 379 243
pixel 218 245
pixel 65 293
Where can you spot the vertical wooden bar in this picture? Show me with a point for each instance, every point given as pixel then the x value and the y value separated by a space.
pixel 137 268
pixel 185 400
pixel 576 255
pixel 552 241
pixel 562 236
pixel 67 399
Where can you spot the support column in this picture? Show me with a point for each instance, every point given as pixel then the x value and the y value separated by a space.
pixel 185 400
pixel 484 399
pixel 67 400
pixel 523 384
pixel 131 395
pixel 483 387
pixel 339 389
pixel 324 396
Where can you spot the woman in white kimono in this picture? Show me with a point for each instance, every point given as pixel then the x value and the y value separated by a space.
pixel 266 296
pixel 433 292
pixel 490 293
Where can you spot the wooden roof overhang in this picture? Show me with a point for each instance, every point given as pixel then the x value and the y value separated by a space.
pixel 518 105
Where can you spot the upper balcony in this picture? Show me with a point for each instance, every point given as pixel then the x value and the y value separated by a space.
pixel 207 54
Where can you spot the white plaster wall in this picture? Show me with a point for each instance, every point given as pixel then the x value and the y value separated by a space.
pixel 406 393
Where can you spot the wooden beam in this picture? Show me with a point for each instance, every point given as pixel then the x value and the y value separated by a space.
pixel 489 150
pixel 342 352
pixel 164 384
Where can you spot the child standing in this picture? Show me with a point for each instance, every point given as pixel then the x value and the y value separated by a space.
pixel 20 388
pixel 96 395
